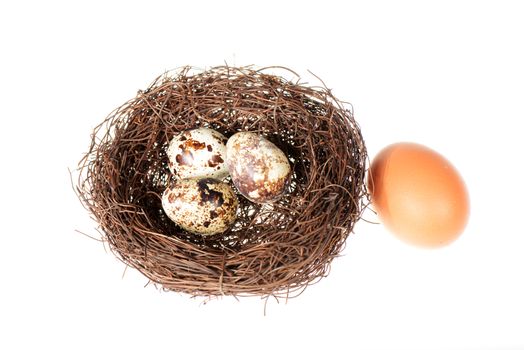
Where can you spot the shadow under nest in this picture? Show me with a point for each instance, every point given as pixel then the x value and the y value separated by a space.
pixel 272 249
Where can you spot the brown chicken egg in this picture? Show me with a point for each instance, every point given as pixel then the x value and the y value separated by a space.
pixel 200 205
pixel 418 195
pixel 198 153
pixel 258 168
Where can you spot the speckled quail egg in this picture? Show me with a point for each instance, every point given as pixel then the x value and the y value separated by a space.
pixel 258 168
pixel 200 205
pixel 198 153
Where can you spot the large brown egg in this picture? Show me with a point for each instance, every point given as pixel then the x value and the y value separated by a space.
pixel 201 205
pixel 258 168
pixel 198 153
pixel 418 195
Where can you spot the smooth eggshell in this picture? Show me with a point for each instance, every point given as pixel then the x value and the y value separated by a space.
pixel 200 205
pixel 258 168
pixel 198 153
pixel 418 195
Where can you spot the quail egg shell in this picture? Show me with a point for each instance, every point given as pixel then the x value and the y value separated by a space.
pixel 198 153
pixel 258 168
pixel 200 205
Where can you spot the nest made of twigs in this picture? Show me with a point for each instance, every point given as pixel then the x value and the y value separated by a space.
pixel 274 249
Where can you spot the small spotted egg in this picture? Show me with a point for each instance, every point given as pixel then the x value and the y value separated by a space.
pixel 200 205
pixel 258 168
pixel 198 153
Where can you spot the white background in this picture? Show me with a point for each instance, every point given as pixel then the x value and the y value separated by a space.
pixel 446 74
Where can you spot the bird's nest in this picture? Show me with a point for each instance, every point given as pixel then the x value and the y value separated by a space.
pixel 272 249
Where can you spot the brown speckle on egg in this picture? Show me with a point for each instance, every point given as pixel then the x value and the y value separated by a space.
pixel 215 161
pixel 201 205
pixel 193 144
pixel 185 158
pixel 209 195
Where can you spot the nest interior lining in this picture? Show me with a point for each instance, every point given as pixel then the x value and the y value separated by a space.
pixel 276 248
